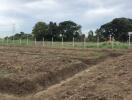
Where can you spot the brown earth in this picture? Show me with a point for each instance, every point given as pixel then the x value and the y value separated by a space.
pixel 55 74
pixel 109 80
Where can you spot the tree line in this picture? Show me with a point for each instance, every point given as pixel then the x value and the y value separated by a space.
pixel 118 28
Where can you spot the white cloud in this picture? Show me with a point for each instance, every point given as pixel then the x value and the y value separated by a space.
pixel 89 13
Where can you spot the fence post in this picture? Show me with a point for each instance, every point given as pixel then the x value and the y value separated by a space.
pixel 52 41
pixel 27 40
pixel 13 40
pixel 35 41
pixel 84 44
pixel 62 42
pixel 73 42
pixel 129 40
pixel 110 38
pixel 7 41
pixel 20 41
pixel 2 41
pixel 43 41
pixel 112 42
pixel 98 42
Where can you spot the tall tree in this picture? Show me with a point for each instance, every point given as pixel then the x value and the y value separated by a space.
pixel 69 29
pixel 118 28
pixel 40 30
pixel 90 35
pixel 53 31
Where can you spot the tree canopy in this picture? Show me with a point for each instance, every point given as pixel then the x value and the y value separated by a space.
pixel 66 29
pixel 118 28
pixel 70 29
pixel 20 35
pixel 40 30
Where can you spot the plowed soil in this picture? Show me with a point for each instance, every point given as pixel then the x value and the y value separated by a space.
pixel 64 74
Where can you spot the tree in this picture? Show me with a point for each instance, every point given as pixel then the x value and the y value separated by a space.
pixel 21 35
pixel 69 29
pixel 90 35
pixel 40 30
pixel 99 35
pixel 118 28
pixel 52 31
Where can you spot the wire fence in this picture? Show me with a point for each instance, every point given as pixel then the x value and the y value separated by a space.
pixel 62 44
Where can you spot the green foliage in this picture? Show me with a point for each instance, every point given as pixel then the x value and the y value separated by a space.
pixel 40 30
pixel 70 29
pixel 20 35
pixel 66 29
pixel 53 31
pixel 118 28
pixel 90 36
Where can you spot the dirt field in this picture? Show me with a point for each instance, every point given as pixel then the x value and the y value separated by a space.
pixel 64 74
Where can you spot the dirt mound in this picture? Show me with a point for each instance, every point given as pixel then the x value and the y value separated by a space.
pixel 51 78
pixel 27 71
pixel 110 80
pixel 17 87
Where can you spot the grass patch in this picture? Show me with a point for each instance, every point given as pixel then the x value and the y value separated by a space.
pixel 116 45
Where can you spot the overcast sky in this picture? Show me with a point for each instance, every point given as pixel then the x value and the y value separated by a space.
pixel 90 14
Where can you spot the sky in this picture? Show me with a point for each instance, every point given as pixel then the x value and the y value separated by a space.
pixel 90 14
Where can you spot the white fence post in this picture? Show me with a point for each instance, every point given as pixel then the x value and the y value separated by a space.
pixel 2 41
pixel 52 41
pixel 43 41
pixel 13 40
pixel 27 40
pixel 129 40
pixel 73 42
pixel 110 38
pixel 20 41
pixel 62 42
pixel 84 44
pixel 35 41
pixel 112 42
pixel 7 41
pixel 98 42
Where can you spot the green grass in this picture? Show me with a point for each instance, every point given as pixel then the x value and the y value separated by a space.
pixel 117 45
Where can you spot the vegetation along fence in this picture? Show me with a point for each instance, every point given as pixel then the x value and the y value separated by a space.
pixel 63 44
